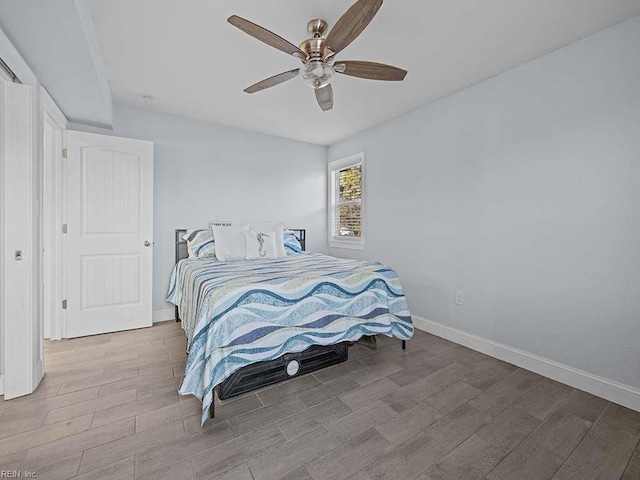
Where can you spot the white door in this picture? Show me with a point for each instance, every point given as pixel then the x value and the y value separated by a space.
pixel 109 233
pixel 21 366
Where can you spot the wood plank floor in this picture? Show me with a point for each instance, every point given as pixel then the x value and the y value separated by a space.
pixel 108 408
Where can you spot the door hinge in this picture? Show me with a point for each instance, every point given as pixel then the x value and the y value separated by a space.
pixel 65 152
pixel 64 304
pixel 64 228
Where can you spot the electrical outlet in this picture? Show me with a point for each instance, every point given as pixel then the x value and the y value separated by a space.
pixel 459 297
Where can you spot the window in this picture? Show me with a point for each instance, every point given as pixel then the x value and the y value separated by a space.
pixel 346 205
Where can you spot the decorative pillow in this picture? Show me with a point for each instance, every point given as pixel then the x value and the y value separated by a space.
pixel 260 245
pixel 200 243
pixel 291 243
pixel 276 227
pixel 230 244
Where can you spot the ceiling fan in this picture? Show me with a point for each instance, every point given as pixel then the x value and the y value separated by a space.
pixel 317 54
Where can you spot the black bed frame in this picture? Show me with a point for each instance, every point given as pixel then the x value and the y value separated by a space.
pixel 261 374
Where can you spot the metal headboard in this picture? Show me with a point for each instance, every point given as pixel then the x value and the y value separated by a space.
pixel 181 246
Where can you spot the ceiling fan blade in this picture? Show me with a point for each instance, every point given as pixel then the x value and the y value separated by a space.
pixel 324 96
pixel 352 23
pixel 372 70
pixel 265 36
pixel 272 81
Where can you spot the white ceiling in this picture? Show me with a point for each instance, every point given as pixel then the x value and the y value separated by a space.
pixel 186 54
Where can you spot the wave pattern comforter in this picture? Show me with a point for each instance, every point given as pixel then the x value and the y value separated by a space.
pixel 238 313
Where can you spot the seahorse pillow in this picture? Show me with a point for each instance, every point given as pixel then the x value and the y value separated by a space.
pixel 261 245
pixel 272 227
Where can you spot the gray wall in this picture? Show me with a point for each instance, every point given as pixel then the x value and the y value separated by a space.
pixel 524 192
pixel 204 171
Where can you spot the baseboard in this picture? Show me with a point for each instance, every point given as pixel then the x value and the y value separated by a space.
pixel 602 387
pixel 164 315
pixel 1 383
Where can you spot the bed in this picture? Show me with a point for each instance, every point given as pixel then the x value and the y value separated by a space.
pixel 255 322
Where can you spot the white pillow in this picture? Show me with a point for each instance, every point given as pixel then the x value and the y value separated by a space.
pixel 276 227
pixel 230 243
pixel 260 245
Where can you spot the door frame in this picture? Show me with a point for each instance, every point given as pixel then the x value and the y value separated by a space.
pixel 53 217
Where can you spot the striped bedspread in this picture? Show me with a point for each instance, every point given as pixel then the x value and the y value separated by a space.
pixel 238 313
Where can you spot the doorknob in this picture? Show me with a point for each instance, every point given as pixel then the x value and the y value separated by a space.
pixel 147 243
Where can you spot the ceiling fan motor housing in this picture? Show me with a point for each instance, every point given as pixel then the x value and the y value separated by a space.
pixel 314 47
pixel 316 72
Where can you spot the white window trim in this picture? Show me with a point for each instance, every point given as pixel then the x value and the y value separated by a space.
pixel 345 242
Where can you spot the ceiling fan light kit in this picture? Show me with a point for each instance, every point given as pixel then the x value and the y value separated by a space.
pixel 316 74
pixel 317 53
